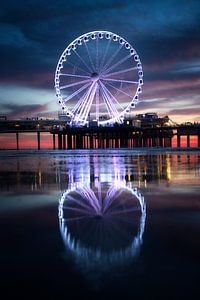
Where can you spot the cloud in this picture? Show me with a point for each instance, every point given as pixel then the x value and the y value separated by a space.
pixel 185 111
pixel 17 111
pixel 12 36
pixel 164 33
pixel 20 101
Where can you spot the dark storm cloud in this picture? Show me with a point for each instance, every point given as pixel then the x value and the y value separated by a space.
pixel 33 34
pixel 160 31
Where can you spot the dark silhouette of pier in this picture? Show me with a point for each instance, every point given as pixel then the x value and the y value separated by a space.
pixel 123 136
pixel 117 136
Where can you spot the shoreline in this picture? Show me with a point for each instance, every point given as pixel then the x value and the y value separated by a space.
pixel 137 151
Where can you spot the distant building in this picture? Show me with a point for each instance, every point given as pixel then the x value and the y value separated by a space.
pixel 146 120
pixel 64 118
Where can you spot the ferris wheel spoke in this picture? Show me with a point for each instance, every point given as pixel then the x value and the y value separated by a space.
pixel 77 218
pixel 81 101
pixel 79 68
pixel 74 75
pixel 83 61
pixel 112 96
pixel 111 195
pixel 116 64
pixel 97 54
pixel 108 201
pixel 119 80
pixel 85 103
pixel 75 209
pixel 80 203
pixel 109 110
pixel 107 105
pixel 74 84
pixel 109 101
pixel 91 98
pixel 91 198
pixel 76 92
pixel 111 85
pixel 120 72
pixel 104 55
pixel 92 64
pixel 97 103
pixel 123 211
pixel 111 59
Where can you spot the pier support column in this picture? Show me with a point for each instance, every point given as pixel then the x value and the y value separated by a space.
pixel 54 141
pixel 38 139
pixel 116 141
pixel 121 141
pixel 153 142
pixel 178 141
pixel 69 141
pixel 60 141
pixel 91 142
pixel 144 142
pixel 170 142
pixel 17 140
pixel 188 141
pixel 160 141
pixel 99 140
pixel 79 141
pixel 64 141
pixel 167 142
pixel 107 140
pixel 139 141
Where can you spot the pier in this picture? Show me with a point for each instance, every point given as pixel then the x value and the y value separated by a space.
pixel 118 136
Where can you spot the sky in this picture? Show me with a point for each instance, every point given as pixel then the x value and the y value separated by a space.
pixel 166 35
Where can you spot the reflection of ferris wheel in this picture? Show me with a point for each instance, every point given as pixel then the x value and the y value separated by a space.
pixel 98 77
pixel 106 223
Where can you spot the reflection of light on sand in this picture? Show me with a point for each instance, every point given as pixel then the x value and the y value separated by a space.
pixel 168 162
pixel 102 214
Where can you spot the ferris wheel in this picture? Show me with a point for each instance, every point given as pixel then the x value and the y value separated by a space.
pixel 98 77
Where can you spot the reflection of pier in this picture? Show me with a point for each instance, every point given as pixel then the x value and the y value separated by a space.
pixel 120 136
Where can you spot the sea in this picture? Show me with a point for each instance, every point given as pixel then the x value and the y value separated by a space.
pixel 100 224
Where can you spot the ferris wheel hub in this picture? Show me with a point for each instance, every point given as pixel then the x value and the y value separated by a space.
pixel 95 76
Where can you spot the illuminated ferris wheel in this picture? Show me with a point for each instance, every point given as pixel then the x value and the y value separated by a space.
pixel 98 77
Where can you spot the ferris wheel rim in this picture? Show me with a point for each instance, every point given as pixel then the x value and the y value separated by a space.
pixel 118 117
